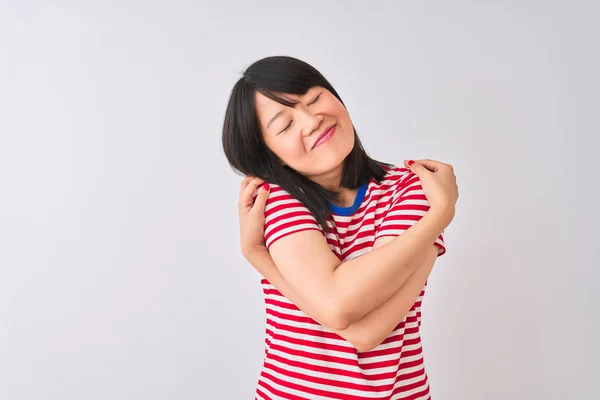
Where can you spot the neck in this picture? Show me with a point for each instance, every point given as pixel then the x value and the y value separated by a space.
pixel 332 181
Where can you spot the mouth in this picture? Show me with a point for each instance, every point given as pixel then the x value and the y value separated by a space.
pixel 325 136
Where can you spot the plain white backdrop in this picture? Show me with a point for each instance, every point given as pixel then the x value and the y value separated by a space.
pixel 120 270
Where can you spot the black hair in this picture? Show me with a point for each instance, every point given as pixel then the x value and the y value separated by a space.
pixel 246 151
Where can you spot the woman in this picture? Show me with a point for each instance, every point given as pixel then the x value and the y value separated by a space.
pixel 345 243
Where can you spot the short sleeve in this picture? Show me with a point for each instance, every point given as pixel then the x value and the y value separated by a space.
pixel 285 215
pixel 408 205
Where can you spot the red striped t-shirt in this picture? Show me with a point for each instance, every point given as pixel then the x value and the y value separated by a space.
pixel 304 360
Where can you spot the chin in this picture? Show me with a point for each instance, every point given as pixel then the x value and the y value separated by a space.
pixel 328 161
pixel 327 164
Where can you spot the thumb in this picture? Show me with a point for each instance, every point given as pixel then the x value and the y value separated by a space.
pixel 261 199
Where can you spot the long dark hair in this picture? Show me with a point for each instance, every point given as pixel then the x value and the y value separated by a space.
pixel 247 152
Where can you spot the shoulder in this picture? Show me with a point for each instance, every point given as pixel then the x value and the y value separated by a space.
pixel 284 215
pixel 398 178
pixel 279 199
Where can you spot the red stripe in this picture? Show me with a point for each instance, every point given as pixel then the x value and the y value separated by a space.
pixel 333 370
pixel 411 386
pixel 262 395
pixel 314 356
pixel 270 242
pixel 391 350
pixel 287 225
pixel 295 318
pixel 378 364
pixel 341 360
pixel 410 375
pixel 313 391
pixel 281 304
pixel 333 383
pixel 304 331
pixel 370 234
pixel 299 215
pixel 314 345
pixel 358 247
pixel 397 338
pixel 279 393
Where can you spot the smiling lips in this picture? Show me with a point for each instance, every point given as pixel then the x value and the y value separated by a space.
pixel 325 136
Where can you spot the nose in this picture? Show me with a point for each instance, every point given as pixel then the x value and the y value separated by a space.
pixel 309 122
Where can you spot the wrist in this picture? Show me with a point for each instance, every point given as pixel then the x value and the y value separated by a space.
pixel 255 252
pixel 443 214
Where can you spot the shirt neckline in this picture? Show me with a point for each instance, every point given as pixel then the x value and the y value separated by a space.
pixel 348 211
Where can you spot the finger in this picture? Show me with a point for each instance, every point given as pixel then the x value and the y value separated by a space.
pixel 247 195
pixel 416 167
pixel 426 163
pixel 261 199
pixel 432 165
pixel 245 182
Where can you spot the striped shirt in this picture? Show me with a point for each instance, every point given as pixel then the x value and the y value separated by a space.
pixel 304 360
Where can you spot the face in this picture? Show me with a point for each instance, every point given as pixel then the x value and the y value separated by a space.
pixel 313 138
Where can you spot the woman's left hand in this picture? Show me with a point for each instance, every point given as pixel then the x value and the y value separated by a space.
pixel 252 216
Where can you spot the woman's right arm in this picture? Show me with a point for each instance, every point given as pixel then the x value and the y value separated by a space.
pixel 344 292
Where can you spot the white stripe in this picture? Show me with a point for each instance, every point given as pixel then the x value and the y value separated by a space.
pixel 399 332
pixel 304 336
pixel 284 389
pixel 356 253
pixel 350 379
pixel 336 377
pixel 283 232
pixel 321 363
pixel 319 386
pixel 359 363
pixel 364 361
pixel 317 352
pixel 409 393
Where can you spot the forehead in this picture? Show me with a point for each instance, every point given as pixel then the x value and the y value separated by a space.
pixel 266 106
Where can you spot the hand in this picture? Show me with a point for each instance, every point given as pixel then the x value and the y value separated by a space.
pixel 439 184
pixel 252 215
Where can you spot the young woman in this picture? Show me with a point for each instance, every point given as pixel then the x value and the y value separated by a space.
pixel 345 243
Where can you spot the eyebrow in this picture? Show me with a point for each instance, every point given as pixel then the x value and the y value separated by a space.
pixel 274 118
pixel 281 112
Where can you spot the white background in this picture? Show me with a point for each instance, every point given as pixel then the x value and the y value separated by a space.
pixel 120 270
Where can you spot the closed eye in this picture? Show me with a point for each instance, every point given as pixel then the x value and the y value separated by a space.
pixel 290 124
pixel 315 100
pixel 287 127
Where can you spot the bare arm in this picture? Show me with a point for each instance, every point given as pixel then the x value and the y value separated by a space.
pixel 374 327
pixel 338 294
pixel 342 293
pixel 371 330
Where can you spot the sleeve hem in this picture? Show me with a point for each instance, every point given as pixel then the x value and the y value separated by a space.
pixel 315 228
pixel 441 247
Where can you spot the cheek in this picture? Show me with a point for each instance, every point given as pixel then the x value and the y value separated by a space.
pixel 289 149
pixel 293 147
pixel 338 111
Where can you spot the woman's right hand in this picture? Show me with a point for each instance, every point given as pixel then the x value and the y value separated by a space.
pixel 439 184
pixel 252 216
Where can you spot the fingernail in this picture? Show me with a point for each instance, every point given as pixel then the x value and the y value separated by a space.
pixel 410 162
pixel 266 187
